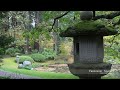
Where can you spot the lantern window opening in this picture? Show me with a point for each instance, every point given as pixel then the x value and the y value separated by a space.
pixel 77 48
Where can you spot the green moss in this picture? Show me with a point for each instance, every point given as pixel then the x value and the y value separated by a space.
pixel 88 28
pixel 87 25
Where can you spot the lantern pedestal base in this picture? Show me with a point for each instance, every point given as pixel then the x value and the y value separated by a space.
pixel 89 71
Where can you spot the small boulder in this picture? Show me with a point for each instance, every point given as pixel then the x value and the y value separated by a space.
pixel 27 63
pixel 20 66
pixel 31 68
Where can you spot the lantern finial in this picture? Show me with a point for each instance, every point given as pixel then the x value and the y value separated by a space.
pixel 86 15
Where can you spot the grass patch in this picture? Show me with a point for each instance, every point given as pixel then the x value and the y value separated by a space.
pixel 10 65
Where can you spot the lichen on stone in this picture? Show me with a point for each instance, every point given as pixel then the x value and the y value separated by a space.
pixel 88 28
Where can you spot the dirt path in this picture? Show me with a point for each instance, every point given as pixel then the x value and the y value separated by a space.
pixel 61 68
pixel 16 76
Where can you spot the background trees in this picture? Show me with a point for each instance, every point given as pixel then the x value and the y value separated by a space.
pixel 34 31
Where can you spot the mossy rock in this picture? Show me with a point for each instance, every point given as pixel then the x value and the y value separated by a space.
pixel 88 28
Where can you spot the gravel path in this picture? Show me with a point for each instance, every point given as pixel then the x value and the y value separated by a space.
pixel 16 76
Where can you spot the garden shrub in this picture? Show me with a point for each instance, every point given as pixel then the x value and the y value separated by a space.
pixel 1 56
pixel 1 51
pixel 38 57
pixel 25 58
pixel 1 60
pixel 5 40
pixel 35 51
pixel 49 53
pixel 12 51
pixel 66 48
pixel 28 67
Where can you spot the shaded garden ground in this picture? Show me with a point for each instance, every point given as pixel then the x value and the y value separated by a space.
pixel 62 68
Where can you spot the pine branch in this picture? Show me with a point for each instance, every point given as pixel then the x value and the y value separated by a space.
pixel 58 18
pixel 108 16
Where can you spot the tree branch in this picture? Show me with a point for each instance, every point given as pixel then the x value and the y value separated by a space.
pixel 114 39
pixel 58 18
pixel 109 16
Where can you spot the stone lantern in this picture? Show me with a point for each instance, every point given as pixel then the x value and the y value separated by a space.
pixel 88 48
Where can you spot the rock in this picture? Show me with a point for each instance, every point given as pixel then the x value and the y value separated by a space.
pixel 27 63
pixel 31 68
pixel 20 66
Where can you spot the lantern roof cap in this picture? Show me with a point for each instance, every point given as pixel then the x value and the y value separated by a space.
pixel 88 28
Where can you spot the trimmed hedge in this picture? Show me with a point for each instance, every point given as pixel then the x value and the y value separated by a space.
pixel 25 58
pixel 38 57
pixel 49 54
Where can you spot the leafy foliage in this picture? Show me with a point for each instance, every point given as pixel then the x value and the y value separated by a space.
pixel 1 51
pixel 25 58
pixel 28 67
pixel 112 54
pixel 3 14
pixel 1 56
pixel 35 51
pixel 1 60
pixel 38 57
pixel 65 48
pixel 49 53
pixel 5 40
pixel 12 51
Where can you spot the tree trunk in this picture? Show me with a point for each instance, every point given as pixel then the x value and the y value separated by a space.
pixel 38 17
pixel 38 20
pixel 29 27
pixel 56 39
pixel 14 23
